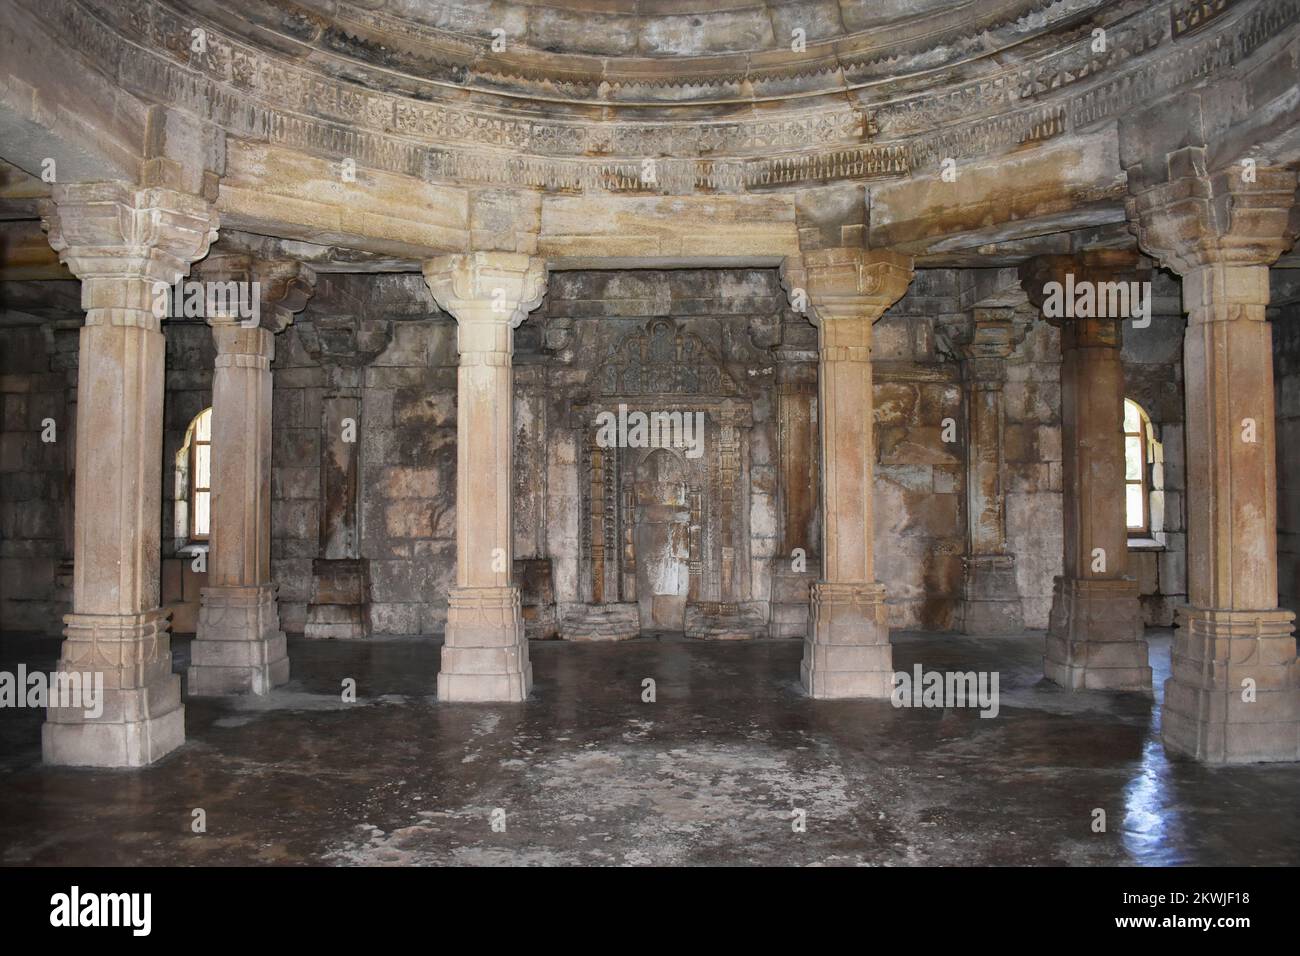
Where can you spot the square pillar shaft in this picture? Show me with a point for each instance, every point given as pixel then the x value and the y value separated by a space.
pixel 127 245
pixel 485 654
pixel 1095 632
pixel 1234 693
pixel 847 651
pixel 239 647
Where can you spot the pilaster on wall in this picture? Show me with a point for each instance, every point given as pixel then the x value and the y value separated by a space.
pixel 239 647
pixel 343 344
pixel 485 657
pixel 123 242
pixel 847 651
pixel 990 598
pixel 1094 636
pixel 1234 695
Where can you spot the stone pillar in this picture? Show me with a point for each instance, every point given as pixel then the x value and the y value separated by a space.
pixel 1095 632
pixel 1234 694
pixel 990 598
pixel 485 655
pixel 239 647
pixel 847 651
pixel 121 241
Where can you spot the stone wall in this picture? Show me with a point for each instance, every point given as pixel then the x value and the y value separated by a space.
pixel 407 444
pixel 33 488
pixel 1286 371
pixel 920 532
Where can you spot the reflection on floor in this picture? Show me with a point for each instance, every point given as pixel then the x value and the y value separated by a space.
pixel 586 772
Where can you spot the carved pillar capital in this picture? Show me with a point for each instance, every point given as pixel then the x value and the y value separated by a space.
pixel 1086 295
pixel 1230 217
pixel 121 241
pixel 847 284
pixel 988 340
pixel 487 289
pixel 281 287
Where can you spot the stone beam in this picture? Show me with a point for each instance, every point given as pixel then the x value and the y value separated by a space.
pixel 280 192
pixel 659 232
pixel 25 253
pixel 1068 185
pixel 54 105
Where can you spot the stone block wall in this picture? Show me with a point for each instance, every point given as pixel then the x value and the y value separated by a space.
pixel 33 490
pixel 407 444
pixel 1286 384
pixel 920 522
pixel 408 477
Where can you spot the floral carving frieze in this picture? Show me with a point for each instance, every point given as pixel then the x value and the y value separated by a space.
pixel 412 126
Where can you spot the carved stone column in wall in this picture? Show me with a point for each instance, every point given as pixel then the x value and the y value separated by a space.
pixel 343 343
pixel 485 654
pixel 1234 695
pixel 239 647
pixel 1095 631
pixel 122 242
pixel 990 598
pixel 847 651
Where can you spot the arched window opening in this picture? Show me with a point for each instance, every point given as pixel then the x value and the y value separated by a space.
pixel 194 481
pixel 1144 460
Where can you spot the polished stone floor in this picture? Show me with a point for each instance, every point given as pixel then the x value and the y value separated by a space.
pixel 588 773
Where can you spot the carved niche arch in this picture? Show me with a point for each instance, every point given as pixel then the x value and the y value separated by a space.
pixel 663 367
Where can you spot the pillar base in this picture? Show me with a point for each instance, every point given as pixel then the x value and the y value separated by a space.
pixel 142 718
pixel 847 651
pixel 340 599
pixel 1205 716
pixel 990 598
pixel 1094 640
pixel 239 648
pixel 485 657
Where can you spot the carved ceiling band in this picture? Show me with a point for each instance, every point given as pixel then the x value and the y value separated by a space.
pixel 395 122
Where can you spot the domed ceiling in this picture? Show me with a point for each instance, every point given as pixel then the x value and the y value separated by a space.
pixel 664 52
